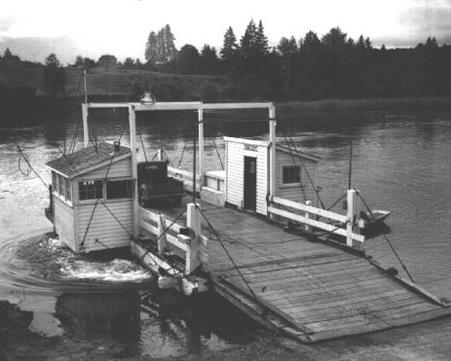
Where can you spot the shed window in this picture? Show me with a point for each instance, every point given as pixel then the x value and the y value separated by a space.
pixel 54 181
pixel 68 190
pixel 90 190
pixel 61 185
pixel 291 174
pixel 119 189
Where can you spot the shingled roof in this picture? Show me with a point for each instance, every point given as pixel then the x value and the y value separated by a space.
pixel 77 162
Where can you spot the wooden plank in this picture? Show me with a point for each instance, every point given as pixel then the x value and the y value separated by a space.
pixel 375 308
pixel 147 214
pixel 272 265
pixel 175 242
pixel 317 289
pixel 148 228
pixel 355 271
pixel 357 320
pixel 309 209
pixel 419 317
pixel 314 223
pixel 355 300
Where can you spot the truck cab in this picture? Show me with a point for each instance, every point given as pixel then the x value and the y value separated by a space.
pixel 155 185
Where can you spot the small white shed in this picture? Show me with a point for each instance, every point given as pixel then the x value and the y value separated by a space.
pixel 92 197
pixel 247 173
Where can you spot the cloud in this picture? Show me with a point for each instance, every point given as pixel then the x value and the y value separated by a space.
pixel 428 18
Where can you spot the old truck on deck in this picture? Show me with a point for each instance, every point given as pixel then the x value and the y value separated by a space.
pixel 156 186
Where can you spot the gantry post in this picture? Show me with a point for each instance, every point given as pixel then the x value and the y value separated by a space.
pixel 132 125
pixel 84 115
pixel 200 113
pixel 272 151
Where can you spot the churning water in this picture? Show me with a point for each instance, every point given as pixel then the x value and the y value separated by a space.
pixel 400 163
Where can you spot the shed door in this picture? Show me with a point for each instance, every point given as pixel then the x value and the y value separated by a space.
pixel 250 183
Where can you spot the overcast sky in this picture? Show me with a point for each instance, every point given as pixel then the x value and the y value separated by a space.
pixel 34 28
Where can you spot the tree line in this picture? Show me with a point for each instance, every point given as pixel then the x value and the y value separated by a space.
pixel 313 67
pixel 333 65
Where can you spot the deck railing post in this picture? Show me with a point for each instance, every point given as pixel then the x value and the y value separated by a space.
pixel 161 234
pixel 193 221
pixel 351 206
pixel 307 215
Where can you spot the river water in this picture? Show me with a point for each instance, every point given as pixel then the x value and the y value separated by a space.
pixel 400 163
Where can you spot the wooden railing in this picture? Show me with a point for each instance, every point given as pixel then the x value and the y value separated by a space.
pixel 325 220
pixel 168 234
pixel 185 176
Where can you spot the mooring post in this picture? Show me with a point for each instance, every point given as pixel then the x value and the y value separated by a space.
pixel 161 234
pixel 84 115
pixel 193 222
pixel 307 215
pixel 351 206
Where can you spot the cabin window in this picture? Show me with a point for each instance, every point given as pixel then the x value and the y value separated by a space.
pixel 54 181
pixel 119 189
pixel 291 174
pixel 68 190
pixel 61 185
pixel 90 190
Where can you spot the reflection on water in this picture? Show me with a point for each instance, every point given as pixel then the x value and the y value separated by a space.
pixel 400 163
pixel 99 315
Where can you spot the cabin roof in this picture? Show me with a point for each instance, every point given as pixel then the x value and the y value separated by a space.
pixel 297 153
pixel 88 158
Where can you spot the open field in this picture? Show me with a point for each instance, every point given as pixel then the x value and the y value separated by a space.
pixel 111 81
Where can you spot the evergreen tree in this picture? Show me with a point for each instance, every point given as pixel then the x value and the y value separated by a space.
pixel 287 47
pixel 361 42
pixel 249 40
pixel 431 42
pixel 261 41
pixel 151 53
pixel 335 38
pixel 7 55
pixel 160 47
pixel 170 51
pixel 230 46
pixel 311 41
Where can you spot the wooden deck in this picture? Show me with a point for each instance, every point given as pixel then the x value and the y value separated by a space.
pixel 309 290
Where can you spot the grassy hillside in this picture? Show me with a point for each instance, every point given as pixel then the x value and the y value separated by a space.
pixel 123 83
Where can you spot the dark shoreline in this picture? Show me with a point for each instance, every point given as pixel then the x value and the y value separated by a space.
pixel 27 109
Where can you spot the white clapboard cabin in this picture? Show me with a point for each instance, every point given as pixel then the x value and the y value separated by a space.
pixel 247 174
pixel 92 197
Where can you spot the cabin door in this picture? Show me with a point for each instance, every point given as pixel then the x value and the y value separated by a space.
pixel 250 183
